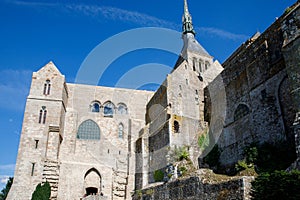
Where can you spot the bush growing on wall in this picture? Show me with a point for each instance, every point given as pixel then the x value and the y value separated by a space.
pixel 276 185
pixel 42 192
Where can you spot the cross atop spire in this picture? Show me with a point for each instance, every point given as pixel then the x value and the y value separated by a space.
pixel 187 24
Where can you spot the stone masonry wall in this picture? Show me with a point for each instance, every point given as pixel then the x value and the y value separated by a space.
pixel 196 188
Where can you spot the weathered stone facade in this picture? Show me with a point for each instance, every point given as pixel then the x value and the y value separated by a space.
pixel 107 142
pixel 198 188
pixel 257 79
pixel 51 148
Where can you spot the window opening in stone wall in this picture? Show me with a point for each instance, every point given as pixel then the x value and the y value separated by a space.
pixel 108 151
pixel 241 111
pixel 42 115
pixel 194 64
pixel 36 143
pixel 176 126
pixel 119 152
pixel 47 87
pixel 180 88
pixel 206 65
pixel 95 107
pixel 122 109
pixel 109 109
pixel 88 130
pixel 121 131
pixel 200 66
pixel 32 168
pixel 187 81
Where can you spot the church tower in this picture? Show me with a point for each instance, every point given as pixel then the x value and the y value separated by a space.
pixel 175 114
pixel 41 133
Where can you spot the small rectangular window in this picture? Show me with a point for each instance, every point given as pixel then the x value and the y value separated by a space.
pixel 186 81
pixel 32 169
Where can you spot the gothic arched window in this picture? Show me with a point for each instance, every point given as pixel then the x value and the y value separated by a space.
pixel 109 109
pixel 121 131
pixel 122 109
pixel 241 111
pixel 95 107
pixel 47 87
pixel 88 130
pixel 43 115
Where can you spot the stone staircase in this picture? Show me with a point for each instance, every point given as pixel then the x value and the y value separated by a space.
pixel 119 181
pixel 51 174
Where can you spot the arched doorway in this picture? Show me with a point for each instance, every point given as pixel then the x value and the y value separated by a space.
pixel 92 182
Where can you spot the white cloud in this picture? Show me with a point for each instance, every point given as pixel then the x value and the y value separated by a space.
pixel 3 179
pixel 9 167
pixel 117 14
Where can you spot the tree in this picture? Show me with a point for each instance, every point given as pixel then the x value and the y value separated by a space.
pixel 4 191
pixel 276 185
pixel 42 192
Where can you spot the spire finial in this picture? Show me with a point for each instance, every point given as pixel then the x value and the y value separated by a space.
pixel 187 24
pixel 186 9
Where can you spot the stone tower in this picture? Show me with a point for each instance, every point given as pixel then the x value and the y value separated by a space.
pixel 175 114
pixel 41 133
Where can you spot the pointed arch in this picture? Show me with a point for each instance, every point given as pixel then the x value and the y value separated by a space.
pixel 92 182
pixel 95 106
pixel 122 109
pixel 121 131
pixel 88 130
pixel 108 109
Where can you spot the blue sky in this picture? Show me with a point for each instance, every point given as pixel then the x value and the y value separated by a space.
pixel 35 32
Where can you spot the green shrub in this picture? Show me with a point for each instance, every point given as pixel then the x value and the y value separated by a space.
pixel 203 141
pixel 158 175
pixel 42 192
pixel 241 165
pixel 182 154
pixel 276 185
pixel 183 170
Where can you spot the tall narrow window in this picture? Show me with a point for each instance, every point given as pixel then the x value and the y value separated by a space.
pixel 32 168
pixel 194 64
pixel 47 87
pixel 36 144
pixel 200 66
pixel 43 115
pixel 176 126
pixel 121 131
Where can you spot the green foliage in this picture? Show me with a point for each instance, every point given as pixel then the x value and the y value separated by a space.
pixel 241 165
pixel 183 170
pixel 182 153
pixel 158 175
pixel 42 192
pixel 251 154
pixel 4 191
pixel 276 185
pixel 212 158
pixel 203 141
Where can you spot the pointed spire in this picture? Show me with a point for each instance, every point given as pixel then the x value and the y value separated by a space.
pixel 187 24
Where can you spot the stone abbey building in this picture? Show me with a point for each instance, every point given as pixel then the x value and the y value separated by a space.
pixel 87 140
